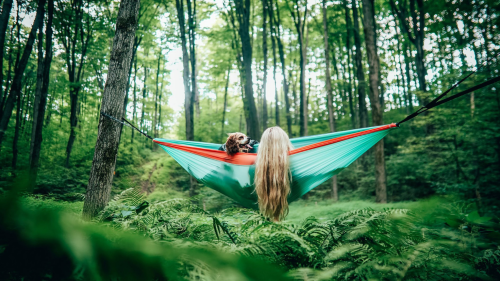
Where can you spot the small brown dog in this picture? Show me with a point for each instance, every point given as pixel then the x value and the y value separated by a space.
pixel 237 142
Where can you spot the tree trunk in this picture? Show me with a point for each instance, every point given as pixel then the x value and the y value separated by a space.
pixel 143 108
pixel 38 90
pixel 19 71
pixel 134 112
pixel 276 97
pixel 16 135
pixel 4 21
pixel 103 165
pixel 277 24
pixel 264 51
pixel 38 125
pixel 188 98
pixel 225 104
pixel 349 49
pixel 328 84
pixel 363 112
pixel 251 116
pixel 377 117
pixel 192 55
pixel 300 23
pixel 155 121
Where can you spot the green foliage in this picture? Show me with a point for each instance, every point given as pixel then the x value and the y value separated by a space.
pixel 357 245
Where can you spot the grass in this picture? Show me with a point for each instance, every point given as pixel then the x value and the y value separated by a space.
pixel 425 209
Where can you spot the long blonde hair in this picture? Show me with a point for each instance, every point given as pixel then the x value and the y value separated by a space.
pixel 272 173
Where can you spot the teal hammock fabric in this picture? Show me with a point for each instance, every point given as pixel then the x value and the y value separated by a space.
pixel 314 160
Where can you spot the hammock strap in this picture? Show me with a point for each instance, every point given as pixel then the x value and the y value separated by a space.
pixel 437 101
pixel 126 123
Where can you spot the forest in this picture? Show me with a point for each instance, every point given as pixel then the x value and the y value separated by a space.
pixel 85 194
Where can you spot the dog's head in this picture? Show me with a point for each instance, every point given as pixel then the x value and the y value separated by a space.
pixel 237 142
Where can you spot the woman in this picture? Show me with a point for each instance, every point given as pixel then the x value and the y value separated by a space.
pixel 272 173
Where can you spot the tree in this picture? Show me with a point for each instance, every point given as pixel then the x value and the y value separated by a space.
pixel 328 84
pixel 417 23
pixel 264 51
pixel 374 95
pixel 16 87
pixel 299 20
pixel 44 91
pixel 103 165
pixel 277 24
pixel 242 8
pixel 4 21
pixel 360 75
pixel 74 31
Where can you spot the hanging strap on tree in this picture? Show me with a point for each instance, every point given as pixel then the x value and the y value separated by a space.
pixel 126 123
pixel 437 101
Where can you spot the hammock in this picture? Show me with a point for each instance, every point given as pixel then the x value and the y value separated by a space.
pixel 314 160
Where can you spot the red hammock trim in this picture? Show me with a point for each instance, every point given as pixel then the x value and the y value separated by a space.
pixel 249 158
pixel 343 138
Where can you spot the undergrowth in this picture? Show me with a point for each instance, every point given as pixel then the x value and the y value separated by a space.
pixel 365 244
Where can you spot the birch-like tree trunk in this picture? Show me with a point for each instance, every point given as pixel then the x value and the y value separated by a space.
pixel 103 165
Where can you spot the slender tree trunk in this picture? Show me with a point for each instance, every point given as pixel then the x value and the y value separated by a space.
pixel 38 125
pixel 277 24
pixel 188 98
pixel 377 117
pixel 19 71
pixel 363 112
pixel 4 21
pixel 328 84
pixel 16 135
pixel 38 90
pixel 155 121
pixel 192 54
pixel 349 48
pixel 251 116
pixel 134 113
pixel 264 51
pixel 300 23
pixel 276 96
pixel 103 165
pixel 225 104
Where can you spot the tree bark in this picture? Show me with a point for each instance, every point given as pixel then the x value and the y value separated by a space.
pixel 328 84
pixel 44 91
pixel 38 90
pixel 377 111
pixel 134 112
pixel 349 49
pixel 192 54
pixel 15 89
pixel 300 23
pixel 103 165
pixel 188 98
pixel 363 112
pixel 225 104
pixel 4 21
pixel 242 8
pixel 264 51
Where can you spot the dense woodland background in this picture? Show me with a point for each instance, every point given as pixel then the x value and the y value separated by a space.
pixel 304 50
pixel 310 67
